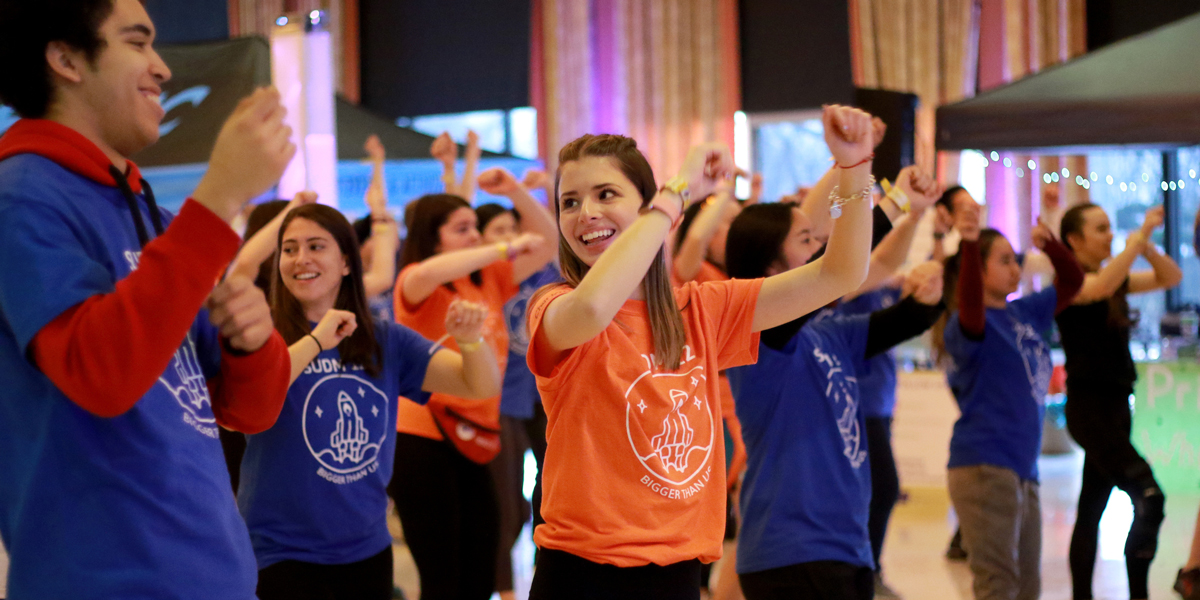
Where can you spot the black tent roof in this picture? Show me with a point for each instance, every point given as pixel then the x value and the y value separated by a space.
pixel 1141 91
pixel 356 123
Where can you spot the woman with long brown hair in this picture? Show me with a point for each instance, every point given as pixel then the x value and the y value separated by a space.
pixel 443 490
pixel 627 367
pixel 1100 376
pixel 314 486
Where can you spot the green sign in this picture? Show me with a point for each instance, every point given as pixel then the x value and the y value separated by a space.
pixel 1166 422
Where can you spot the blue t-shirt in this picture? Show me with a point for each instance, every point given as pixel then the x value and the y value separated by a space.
pixel 877 380
pixel 314 486
pixel 519 393
pixel 1000 383
pixel 136 506
pixel 807 489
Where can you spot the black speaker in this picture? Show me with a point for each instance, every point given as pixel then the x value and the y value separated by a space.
pixel 899 111
pixel 795 55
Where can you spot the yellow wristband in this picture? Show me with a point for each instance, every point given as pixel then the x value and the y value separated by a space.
pixel 469 346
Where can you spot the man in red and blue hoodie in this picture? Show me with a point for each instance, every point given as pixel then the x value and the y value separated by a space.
pixel 119 354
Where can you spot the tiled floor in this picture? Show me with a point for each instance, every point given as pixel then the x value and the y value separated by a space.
pixel 921 527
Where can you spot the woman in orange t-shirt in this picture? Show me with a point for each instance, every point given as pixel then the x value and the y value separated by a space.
pixel 626 365
pixel 446 501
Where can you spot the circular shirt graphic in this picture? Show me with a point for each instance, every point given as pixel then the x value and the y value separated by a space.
pixel 346 422
pixel 186 382
pixel 670 424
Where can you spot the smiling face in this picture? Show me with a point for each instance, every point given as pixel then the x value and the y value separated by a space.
pixel 1001 273
pixel 311 266
pixel 799 246
pixel 459 231
pixel 596 203
pixel 117 96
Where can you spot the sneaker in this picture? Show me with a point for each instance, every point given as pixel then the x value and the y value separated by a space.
pixel 882 590
pixel 1187 583
pixel 956 551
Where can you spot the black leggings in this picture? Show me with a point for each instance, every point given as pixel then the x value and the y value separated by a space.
pixel 368 579
pixel 447 508
pixel 1101 423
pixel 818 580
pixel 564 576
pixel 885 483
pixel 535 429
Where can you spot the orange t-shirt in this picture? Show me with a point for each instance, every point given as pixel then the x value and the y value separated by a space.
pixel 634 472
pixel 428 319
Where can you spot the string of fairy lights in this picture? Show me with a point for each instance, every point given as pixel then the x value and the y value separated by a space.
pixel 1086 181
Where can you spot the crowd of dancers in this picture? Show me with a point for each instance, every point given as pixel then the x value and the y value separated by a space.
pixel 695 374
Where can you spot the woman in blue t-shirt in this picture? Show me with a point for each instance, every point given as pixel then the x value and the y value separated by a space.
pixel 314 486
pixel 807 488
pixel 998 366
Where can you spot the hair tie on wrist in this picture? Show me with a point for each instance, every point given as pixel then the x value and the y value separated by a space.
pixel 318 343
pixel 870 157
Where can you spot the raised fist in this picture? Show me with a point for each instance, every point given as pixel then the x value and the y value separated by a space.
pixel 465 320
pixel 498 181
pixel 374 148
pixel 849 134
pixel 924 283
pixel 334 327
pixel 707 165
pixel 444 149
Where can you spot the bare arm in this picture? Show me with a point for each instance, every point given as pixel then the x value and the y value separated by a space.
pixel 1164 274
pixel 385 234
pixel 797 292
pixel 382 275
pixel 424 279
pixel 581 314
pixel 473 374
pixel 694 247
pixel 1104 283
pixel 334 327
pixel 889 255
pixel 535 219
pixel 466 188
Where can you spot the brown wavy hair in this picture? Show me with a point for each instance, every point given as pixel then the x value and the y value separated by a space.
pixel 666 323
pixel 361 348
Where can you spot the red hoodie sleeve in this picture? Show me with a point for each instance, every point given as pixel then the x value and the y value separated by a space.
pixel 1068 275
pixel 251 389
pixel 971 314
pixel 106 352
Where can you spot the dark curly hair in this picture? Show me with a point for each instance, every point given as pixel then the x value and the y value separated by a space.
pixel 26 28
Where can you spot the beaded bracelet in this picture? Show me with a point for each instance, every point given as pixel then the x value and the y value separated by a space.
pixel 837 201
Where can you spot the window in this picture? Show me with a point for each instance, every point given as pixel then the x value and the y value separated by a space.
pixel 505 132
pixel 1187 189
pixel 789 150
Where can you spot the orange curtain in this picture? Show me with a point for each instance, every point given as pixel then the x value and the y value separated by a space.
pixel 664 72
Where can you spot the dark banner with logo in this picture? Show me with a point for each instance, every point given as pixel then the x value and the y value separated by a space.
pixel 207 82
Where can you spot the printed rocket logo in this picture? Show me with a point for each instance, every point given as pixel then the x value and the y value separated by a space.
pixel 842 391
pixel 187 384
pixel 1036 356
pixel 670 423
pixel 345 423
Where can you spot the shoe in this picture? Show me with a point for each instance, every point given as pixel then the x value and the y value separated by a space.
pixel 1187 583
pixel 882 590
pixel 956 551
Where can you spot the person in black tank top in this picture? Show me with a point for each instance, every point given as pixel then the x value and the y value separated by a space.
pixel 1100 377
